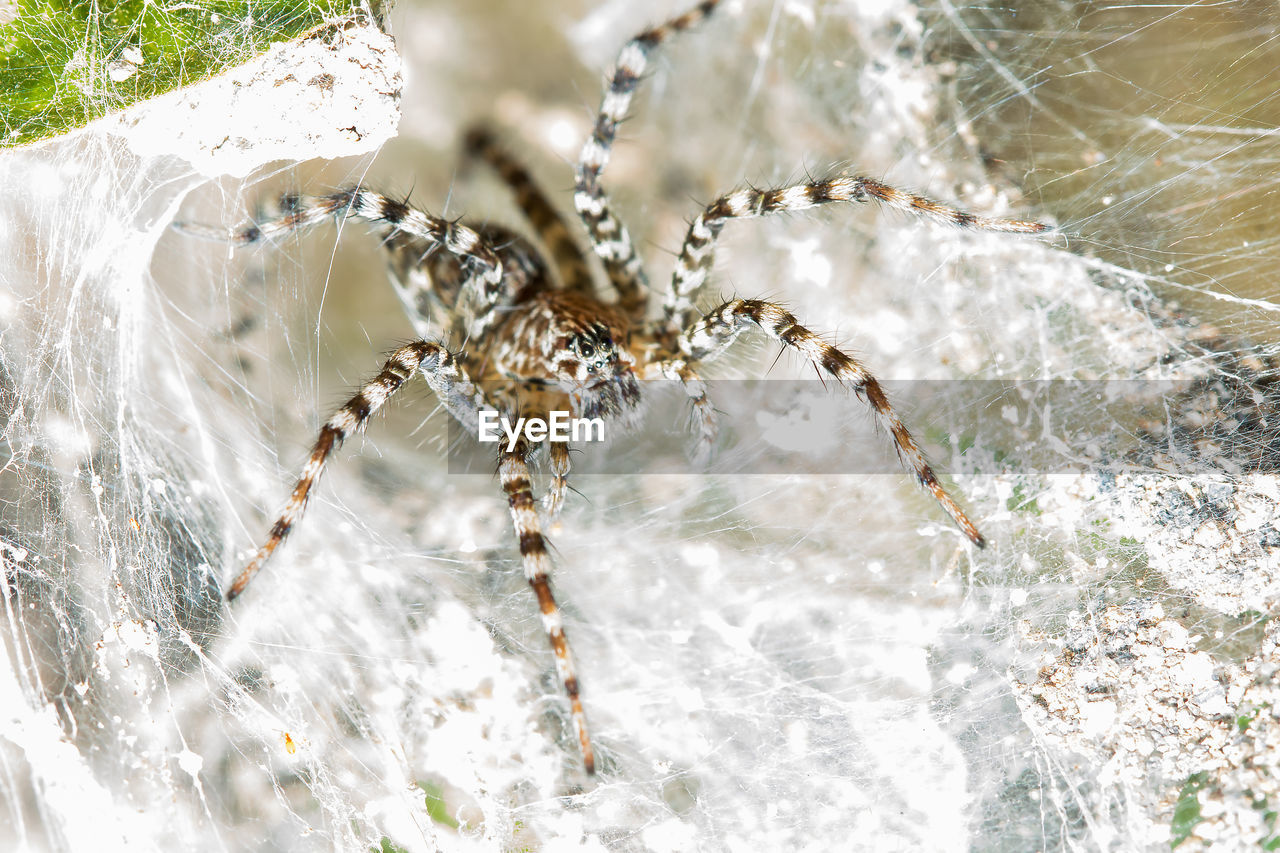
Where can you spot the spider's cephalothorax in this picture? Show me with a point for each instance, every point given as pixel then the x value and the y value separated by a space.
pixel 576 342
pixel 538 335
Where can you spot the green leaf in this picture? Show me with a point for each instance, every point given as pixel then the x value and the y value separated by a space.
pixel 436 808
pixel 64 63
pixel 1186 814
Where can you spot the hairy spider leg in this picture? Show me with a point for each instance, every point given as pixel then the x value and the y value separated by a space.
pixel 695 258
pixel 484 288
pixel 447 379
pixel 513 471
pixel 609 237
pixel 551 229
pixel 711 335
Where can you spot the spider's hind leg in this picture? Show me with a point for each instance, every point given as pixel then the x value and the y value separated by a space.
pixel 551 229
pixel 711 335
pixel 404 227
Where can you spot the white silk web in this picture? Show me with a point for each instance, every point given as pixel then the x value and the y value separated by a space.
pixel 768 661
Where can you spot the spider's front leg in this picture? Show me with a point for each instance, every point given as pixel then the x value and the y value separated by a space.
pixel 445 376
pixel 695 259
pixel 513 471
pixel 712 334
pixel 404 226
pixel 610 239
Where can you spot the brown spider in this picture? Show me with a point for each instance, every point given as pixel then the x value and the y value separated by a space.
pixel 543 343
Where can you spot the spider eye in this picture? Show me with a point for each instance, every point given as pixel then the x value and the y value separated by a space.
pixel 586 350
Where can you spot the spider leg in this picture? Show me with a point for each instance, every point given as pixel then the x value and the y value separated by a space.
pixel 480 142
pixel 442 372
pixel 483 289
pixel 694 260
pixel 553 500
pixel 427 300
pixel 513 471
pixel 609 237
pixel 704 414
pixel 711 335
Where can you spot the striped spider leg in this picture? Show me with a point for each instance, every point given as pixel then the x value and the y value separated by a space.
pixel 553 232
pixel 715 332
pixel 447 378
pixel 701 338
pixel 695 258
pixel 441 368
pixel 681 339
pixel 610 239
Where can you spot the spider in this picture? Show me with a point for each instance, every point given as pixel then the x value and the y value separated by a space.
pixel 543 340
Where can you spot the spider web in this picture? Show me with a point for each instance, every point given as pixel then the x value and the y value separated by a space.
pixel 768 661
